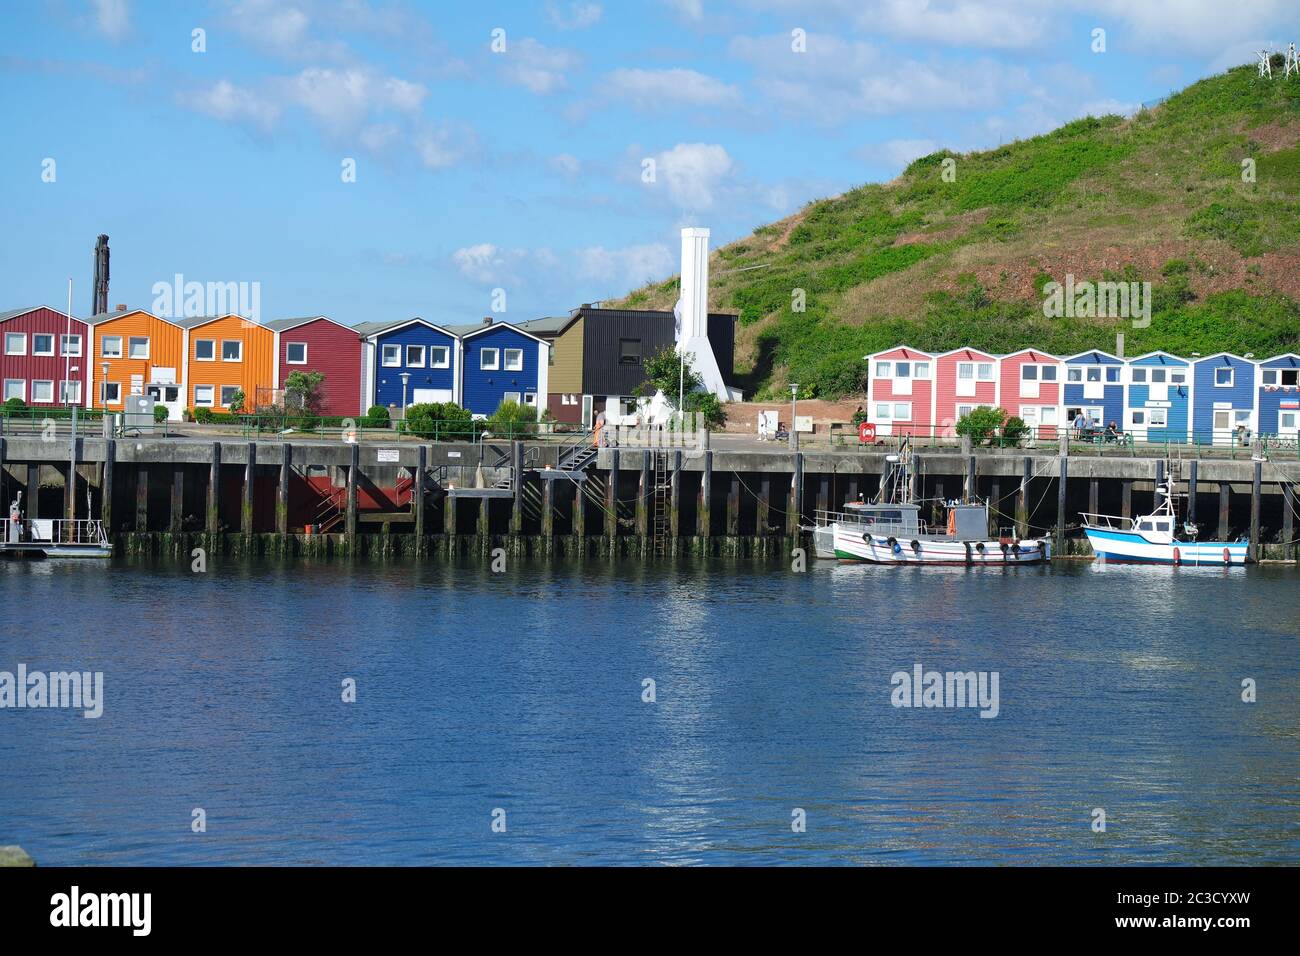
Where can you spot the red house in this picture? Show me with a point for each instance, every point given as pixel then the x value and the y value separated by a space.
pixel 319 344
pixel 964 380
pixel 900 391
pixel 43 357
pixel 1031 389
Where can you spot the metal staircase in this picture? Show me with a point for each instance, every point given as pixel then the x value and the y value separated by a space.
pixel 661 528
pixel 330 511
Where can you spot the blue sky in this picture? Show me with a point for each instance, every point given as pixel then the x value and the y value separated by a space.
pixel 521 169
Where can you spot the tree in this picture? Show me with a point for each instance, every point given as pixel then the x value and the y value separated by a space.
pixel 513 419
pixel 981 423
pixel 444 421
pixel 306 387
pixel 236 404
pixel 665 373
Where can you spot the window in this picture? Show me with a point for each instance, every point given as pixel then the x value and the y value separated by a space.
pixel 228 394
pixel 1047 415
pixel 530 399
pixel 1074 375
pixel 42 392
pixel 203 396
pixel 984 371
pixel 15 343
pixel 1139 376
pixel 629 352
pixel 884 370
pixel 1288 421
pixel 489 359
pixel 415 356
pixel 920 369
pixel 70 345
pixel 295 353
pixel 112 393
pixel 893 412
pixel 1049 373
pixel 1028 373
pixel 1146 525
pixel 1291 377
pixel 1241 416
pixel 1269 376
pixel 70 392
pixel 510 397
pixel 1139 417
pixel 439 356
pixel 1159 417
pixel 232 350
pixel 1177 378
pixel 42 344
pixel 965 370
pixel 1112 373
pixel 110 346
pixel 1281 376
pixel 964 410
pixel 1158 376
pixel 1036 415
pixel 392 356
pixel 137 347
pixel 205 350
pixel 514 359
pixel 1094 373
pixel 1223 377
pixel 902 370
pixel 1221 419
pixel 902 411
pixel 15 388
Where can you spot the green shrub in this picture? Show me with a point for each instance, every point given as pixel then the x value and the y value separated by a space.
pixel 441 421
pixel 203 416
pixel 512 418
pixel 1015 429
pixel 376 417
pixel 160 413
pixel 982 423
pixel 15 405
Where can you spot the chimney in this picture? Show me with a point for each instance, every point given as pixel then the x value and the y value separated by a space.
pixel 121 307
pixel 99 287
pixel 693 311
pixel 487 320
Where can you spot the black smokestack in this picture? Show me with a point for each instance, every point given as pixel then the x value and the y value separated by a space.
pixel 100 289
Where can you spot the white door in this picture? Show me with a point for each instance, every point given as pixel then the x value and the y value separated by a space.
pixel 421 396
pixel 168 396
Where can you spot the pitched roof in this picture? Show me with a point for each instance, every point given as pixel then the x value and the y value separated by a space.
pixel 549 324
pixel 284 325
pixel 14 313
pixel 370 329
pixel 478 328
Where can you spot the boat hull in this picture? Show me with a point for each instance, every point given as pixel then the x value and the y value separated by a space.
pixel 1130 547
pixel 852 544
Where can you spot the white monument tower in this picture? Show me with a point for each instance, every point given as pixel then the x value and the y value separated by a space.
pixel 693 313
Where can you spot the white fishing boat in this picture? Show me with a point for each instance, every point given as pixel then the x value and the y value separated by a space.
pixel 1158 538
pixel 889 530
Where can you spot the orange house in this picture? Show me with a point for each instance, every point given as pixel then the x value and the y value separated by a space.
pixel 227 355
pixel 134 352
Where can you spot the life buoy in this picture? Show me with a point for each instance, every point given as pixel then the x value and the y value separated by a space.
pixel 1178 557
pixel 866 539
pixel 980 547
pixel 1227 556
pixel 916 546
pixel 894 546
pixel 952 523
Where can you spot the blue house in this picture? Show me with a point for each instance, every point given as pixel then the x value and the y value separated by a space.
pixel 502 363
pixel 1279 396
pixel 1159 398
pixel 1094 384
pixel 426 352
pixel 1223 399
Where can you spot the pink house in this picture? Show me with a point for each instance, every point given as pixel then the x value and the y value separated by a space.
pixel 900 391
pixel 964 379
pixel 1030 388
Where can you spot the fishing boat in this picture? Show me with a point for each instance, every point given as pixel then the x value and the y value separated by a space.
pixel 1158 538
pixel 889 530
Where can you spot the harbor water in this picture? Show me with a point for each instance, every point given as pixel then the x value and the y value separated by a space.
pixel 523 699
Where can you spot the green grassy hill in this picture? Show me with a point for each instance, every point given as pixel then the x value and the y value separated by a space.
pixel 1158 197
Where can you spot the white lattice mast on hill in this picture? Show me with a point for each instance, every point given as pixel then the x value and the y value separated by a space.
pixel 1292 62
pixel 1265 64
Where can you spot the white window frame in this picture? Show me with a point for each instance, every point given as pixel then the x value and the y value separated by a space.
pixel 884 370
pixel 984 371
pixel 413 355
pixel 902 418
pixel 1138 376
pixel 1269 376
pixel 921 370
pixel 1232 376
pixel 903 369
pixel 1157 417
pixel 22 386
pixel 66 342
pixel 1093 374
pixel 1074 374
pixel 384 354
pixel 516 397
pixel 964 410
pixel 1163 378
pixel 1178 376
pixel 530 399
pixel 43 401
pixel 483 359
pixel 445 361
pixel 1137 418
pixel 20 350
pixel 65 397
pixel 508 364
pixel 212 396
pixel 966 370
pixel 1241 416
pixel 1293 372
pixel 222 395
pixel 212 350
pixel 131 342
pixel 238 342
pixel 288 353
pixel 103 346
pixel 1227 419
pixel 112 393
pixel 1112 376
pixel 37 336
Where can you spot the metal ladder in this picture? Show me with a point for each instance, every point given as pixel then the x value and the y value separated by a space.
pixel 662 526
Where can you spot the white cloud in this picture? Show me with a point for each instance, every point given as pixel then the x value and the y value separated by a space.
pixel 538 68
pixel 1202 26
pixel 690 9
pixel 575 16
pixel 341 99
pixel 112 17
pixel 625 268
pixel 489 264
pixel 566 165
pixel 664 89
pixel 233 104
pixel 693 173
pixel 440 147
pixel 1247 51
pixel 897 153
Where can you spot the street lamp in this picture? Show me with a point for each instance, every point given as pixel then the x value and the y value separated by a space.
pixel 794 410
pixel 406 378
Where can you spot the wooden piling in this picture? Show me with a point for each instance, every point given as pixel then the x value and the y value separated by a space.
pixel 106 485
pixel 417 495
pixel 33 488
pixel 517 486
pixel 794 514
pixel 1126 498
pixel 1225 498
pixel 1288 518
pixel 141 497
pixel 675 510
pixel 213 523
pixel 970 487
pixel 246 505
pixel 703 516
pixel 1062 485
pixel 350 522
pixel 1191 491
pixel 282 496
pixel 1022 499
pixel 484 528
pixel 70 486
pixel 449 515
pixel 643 493
pixel 1256 490
pixel 1094 495
pixel 548 508
pixel 763 512
pixel 176 514
pixel 579 510
pixel 733 506
pixel 611 497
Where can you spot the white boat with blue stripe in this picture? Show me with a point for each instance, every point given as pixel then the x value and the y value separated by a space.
pixel 1159 538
